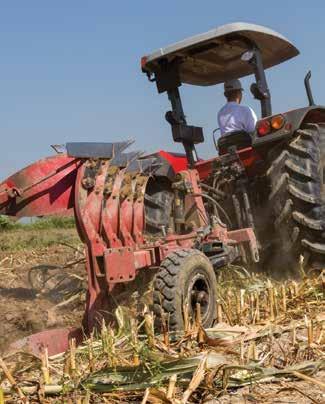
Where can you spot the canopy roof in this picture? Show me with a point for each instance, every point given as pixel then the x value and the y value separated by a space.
pixel 214 57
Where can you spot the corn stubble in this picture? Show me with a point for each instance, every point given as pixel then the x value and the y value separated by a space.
pixel 265 332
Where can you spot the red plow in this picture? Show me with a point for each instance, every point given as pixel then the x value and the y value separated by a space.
pixel 132 212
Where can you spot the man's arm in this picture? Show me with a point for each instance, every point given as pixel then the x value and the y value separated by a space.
pixel 220 123
pixel 251 120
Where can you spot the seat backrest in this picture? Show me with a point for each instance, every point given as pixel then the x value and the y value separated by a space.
pixel 238 138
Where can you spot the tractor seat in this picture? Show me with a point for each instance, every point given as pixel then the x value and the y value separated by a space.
pixel 238 138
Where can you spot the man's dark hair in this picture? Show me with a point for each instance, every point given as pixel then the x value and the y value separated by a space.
pixel 232 94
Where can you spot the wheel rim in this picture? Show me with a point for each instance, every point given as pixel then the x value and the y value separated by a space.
pixel 199 291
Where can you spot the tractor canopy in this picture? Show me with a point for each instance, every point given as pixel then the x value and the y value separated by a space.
pixel 215 56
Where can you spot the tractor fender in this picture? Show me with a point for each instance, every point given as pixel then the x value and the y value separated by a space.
pixel 294 119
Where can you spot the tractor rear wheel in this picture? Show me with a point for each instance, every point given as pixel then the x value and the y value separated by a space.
pixel 185 277
pixel 297 198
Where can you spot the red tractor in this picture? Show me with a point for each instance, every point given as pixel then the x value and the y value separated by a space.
pixel 175 219
pixel 270 180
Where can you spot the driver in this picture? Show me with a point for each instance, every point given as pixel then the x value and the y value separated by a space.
pixel 233 116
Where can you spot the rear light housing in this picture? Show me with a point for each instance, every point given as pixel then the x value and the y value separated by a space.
pixel 267 126
pixel 263 127
pixel 277 122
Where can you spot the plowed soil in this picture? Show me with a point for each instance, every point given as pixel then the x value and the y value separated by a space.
pixel 34 281
pixel 43 285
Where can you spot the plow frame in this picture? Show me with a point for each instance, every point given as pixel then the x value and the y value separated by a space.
pixel 107 197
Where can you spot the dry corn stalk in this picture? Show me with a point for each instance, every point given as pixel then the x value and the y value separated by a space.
pixel 257 307
pixel 91 352
pixel 201 336
pixel 171 387
pixel 145 396
pixel 135 341
pixel 197 378
pixel 186 319
pixel 45 366
pixel 284 298
pixel 310 334
pixel 72 345
pixel 198 315
pixel 270 292
pixel 165 328
pixel 229 305
pixel 148 325
pixel 11 379
pixel 294 335
pixel 124 351
pixel 308 379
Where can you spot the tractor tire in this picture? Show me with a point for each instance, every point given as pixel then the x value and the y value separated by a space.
pixel 185 276
pixel 297 198
pixel 158 203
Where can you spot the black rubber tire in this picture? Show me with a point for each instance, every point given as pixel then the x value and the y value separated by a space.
pixel 158 203
pixel 297 197
pixel 180 273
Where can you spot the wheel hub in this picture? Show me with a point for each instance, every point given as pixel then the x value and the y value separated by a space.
pixel 199 292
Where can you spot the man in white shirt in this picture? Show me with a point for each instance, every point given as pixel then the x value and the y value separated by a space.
pixel 233 116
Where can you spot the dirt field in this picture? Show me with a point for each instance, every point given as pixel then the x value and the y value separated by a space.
pixel 42 285
pixel 33 280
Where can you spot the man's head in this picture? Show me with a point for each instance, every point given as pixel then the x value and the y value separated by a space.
pixel 233 90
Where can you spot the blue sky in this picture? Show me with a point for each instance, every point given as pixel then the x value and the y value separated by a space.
pixel 70 70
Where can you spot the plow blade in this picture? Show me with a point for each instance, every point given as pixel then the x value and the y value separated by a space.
pixel 56 341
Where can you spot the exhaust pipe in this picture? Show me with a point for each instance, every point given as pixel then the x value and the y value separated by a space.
pixel 308 89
